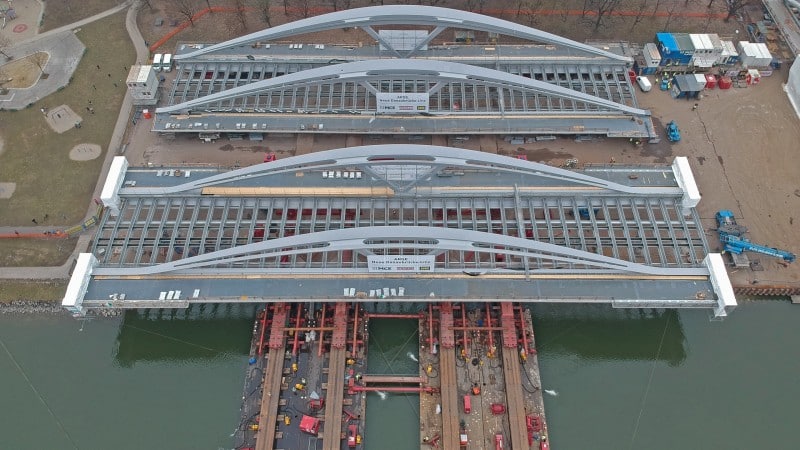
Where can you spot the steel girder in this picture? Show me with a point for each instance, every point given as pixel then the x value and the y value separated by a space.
pixel 370 74
pixel 428 16
pixel 408 154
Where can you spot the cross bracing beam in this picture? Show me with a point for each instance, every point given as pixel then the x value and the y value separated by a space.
pixel 410 154
pixel 611 226
pixel 422 76
pixel 426 16
pixel 392 239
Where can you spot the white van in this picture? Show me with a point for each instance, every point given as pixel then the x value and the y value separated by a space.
pixel 167 64
pixel 644 84
pixel 157 62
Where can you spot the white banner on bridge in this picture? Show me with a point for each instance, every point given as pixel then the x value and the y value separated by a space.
pixel 397 103
pixel 400 263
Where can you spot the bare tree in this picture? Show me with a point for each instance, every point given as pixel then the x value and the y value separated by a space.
pixel 530 6
pixel 263 8
pixel 670 14
pixel 305 8
pixel 469 5
pixel 149 5
pixel 5 43
pixel 585 8
pixel 639 15
pixel 241 13
pixel 603 8
pixel 286 7
pixel 186 8
pixel 734 6
pixel 40 60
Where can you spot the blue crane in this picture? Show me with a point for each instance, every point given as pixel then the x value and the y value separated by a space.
pixel 731 235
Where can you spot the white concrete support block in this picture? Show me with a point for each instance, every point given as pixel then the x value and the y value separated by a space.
pixel 116 175
pixel 685 179
pixel 78 284
pixel 718 275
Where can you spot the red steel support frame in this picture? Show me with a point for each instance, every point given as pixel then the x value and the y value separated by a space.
pixel 426 389
pixel 355 333
pixel 263 330
pixel 489 331
pixel 392 316
pixel 430 328
pixel 464 324
pixel 297 325
pixel 321 332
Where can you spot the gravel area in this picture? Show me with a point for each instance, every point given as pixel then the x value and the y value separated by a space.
pixel 55 308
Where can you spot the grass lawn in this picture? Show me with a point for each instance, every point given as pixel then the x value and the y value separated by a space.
pixel 58 13
pixel 37 158
pixel 41 290
pixel 35 252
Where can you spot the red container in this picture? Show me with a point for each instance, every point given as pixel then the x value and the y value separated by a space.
pixel 725 83
pixel 632 76
pixel 711 81
pixel 467 404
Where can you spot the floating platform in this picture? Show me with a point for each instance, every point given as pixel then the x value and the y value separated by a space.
pixel 478 381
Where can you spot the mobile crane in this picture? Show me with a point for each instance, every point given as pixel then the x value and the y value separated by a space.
pixel 731 235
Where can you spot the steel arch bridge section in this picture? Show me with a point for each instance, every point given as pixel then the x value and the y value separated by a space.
pixel 429 156
pixel 536 257
pixel 428 77
pixel 428 16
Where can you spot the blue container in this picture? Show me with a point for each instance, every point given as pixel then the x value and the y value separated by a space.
pixel 676 50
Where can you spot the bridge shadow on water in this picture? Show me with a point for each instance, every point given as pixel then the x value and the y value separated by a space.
pixel 201 332
pixel 590 332
pixel 599 332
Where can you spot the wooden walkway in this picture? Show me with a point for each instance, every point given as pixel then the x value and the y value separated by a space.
pixel 448 380
pixel 332 433
pixel 513 378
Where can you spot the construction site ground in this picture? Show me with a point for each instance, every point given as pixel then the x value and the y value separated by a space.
pixel 741 143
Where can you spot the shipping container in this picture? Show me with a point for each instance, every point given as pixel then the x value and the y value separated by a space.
pixel 652 57
pixel 166 64
pixel 754 54
pixel 157 62
pixel 729 54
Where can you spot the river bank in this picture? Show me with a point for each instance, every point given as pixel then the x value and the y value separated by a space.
pixel 49 308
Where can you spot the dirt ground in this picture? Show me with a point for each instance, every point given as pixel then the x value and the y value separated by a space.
pixel 23 73
pixel 62 118
pixel 562 17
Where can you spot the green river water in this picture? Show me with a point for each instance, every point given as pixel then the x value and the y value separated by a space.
pixel 625 379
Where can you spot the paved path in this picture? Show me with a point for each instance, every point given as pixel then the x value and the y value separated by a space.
pixel 64 50
pixel 62 271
